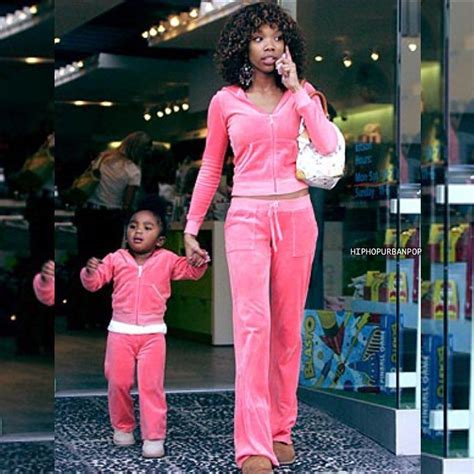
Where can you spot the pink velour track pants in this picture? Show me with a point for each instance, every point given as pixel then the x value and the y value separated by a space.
pixel 270 247
pixel 146 353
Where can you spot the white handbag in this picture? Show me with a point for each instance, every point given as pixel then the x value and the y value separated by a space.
pixel 315 169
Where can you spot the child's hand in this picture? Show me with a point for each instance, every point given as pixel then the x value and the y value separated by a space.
pixel 93 264
pixel 47 271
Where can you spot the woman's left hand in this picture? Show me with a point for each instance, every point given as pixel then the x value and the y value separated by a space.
pixel 287 68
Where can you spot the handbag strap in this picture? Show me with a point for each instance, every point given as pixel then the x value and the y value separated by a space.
pixel 322 98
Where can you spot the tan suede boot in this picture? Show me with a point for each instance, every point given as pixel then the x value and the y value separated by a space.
pixel 285 453
pixel 257 465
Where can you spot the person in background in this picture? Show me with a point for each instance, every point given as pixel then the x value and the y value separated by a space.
pixel 43 284
pixel 100 223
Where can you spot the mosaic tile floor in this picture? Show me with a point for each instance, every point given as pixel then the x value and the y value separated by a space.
pixel 27 458
pixel 200 441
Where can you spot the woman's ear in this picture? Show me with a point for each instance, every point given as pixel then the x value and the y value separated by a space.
pixel 160 241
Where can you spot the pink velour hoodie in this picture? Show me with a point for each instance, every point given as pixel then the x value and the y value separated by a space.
pixel 140 292
pixel 44 289
pixel 264 145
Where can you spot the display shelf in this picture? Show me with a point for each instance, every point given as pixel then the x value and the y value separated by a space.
pixel 203 307
pixel 457 194
pixel 409 310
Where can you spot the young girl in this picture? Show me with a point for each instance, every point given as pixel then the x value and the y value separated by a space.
pixel 141 275
pixel 43 284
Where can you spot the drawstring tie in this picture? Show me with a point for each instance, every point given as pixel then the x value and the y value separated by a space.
pixel 274 222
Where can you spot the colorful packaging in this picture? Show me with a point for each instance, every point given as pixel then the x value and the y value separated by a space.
pixel 368 284
pixel 426 298
pixel 348 351
pixel 432 379
pixel 438 300
pixel 392 287
pixel 435 242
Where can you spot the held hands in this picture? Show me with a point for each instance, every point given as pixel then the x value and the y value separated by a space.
pixel 93 264
pixel 196 256
pixel 47 271
pixel 287 69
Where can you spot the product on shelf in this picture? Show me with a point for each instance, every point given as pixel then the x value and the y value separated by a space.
pixel 432 380
pixel 460 265
pixel 435 242
pixel 409 239
pixel 432 301
pixel 348 351
pixel 383 287
pixel 459 243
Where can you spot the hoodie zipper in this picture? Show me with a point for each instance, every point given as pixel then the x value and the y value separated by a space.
pixel 140 271
pixel 273 159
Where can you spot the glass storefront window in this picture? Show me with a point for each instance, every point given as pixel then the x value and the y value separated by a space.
pixel 448 200
pixel 361 339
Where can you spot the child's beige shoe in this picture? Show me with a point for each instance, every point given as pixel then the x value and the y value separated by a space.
pixel 121 438
pixel 153 448
pixel 257 465
pixel 285 453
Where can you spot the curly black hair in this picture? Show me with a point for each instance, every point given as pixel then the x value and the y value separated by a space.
pixel 233 45
pixel 157 206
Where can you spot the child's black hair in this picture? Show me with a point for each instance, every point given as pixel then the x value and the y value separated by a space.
pixel 157 206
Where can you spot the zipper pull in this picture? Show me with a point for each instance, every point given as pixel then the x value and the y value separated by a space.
pixel 140 270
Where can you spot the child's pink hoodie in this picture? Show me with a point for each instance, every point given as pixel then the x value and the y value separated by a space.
pixel 44 289
pixel 140 292
pixel 264 145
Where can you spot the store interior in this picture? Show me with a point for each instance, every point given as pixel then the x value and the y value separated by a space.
pixel 118 73
pixel 379 330
pixel 26 217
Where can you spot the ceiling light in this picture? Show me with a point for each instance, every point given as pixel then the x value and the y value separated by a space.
pixel 57 40
pixel 13 317
pixel 160 114
pixel 115 144
pixel 176 108
pixel 161 29
pixel 375 56
pixel 79 64
pixel 174 21
pixel 33 10
pixel 145 34
pixel 185 106
pixel 318 58
pixel 79 102
pixel 153 31
pixel 33 60
pixel 194 13
pixel 64 301
pixel 106 103
pixel 412 47
pixel 168 111
pixel 347 62
pixel 147 116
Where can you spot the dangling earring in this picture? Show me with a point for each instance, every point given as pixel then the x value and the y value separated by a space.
pixel 246 74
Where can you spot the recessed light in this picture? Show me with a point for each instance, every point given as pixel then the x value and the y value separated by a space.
pixel 174 21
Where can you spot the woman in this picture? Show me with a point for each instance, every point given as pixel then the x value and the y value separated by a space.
pixel 270 231
pixel 100 223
